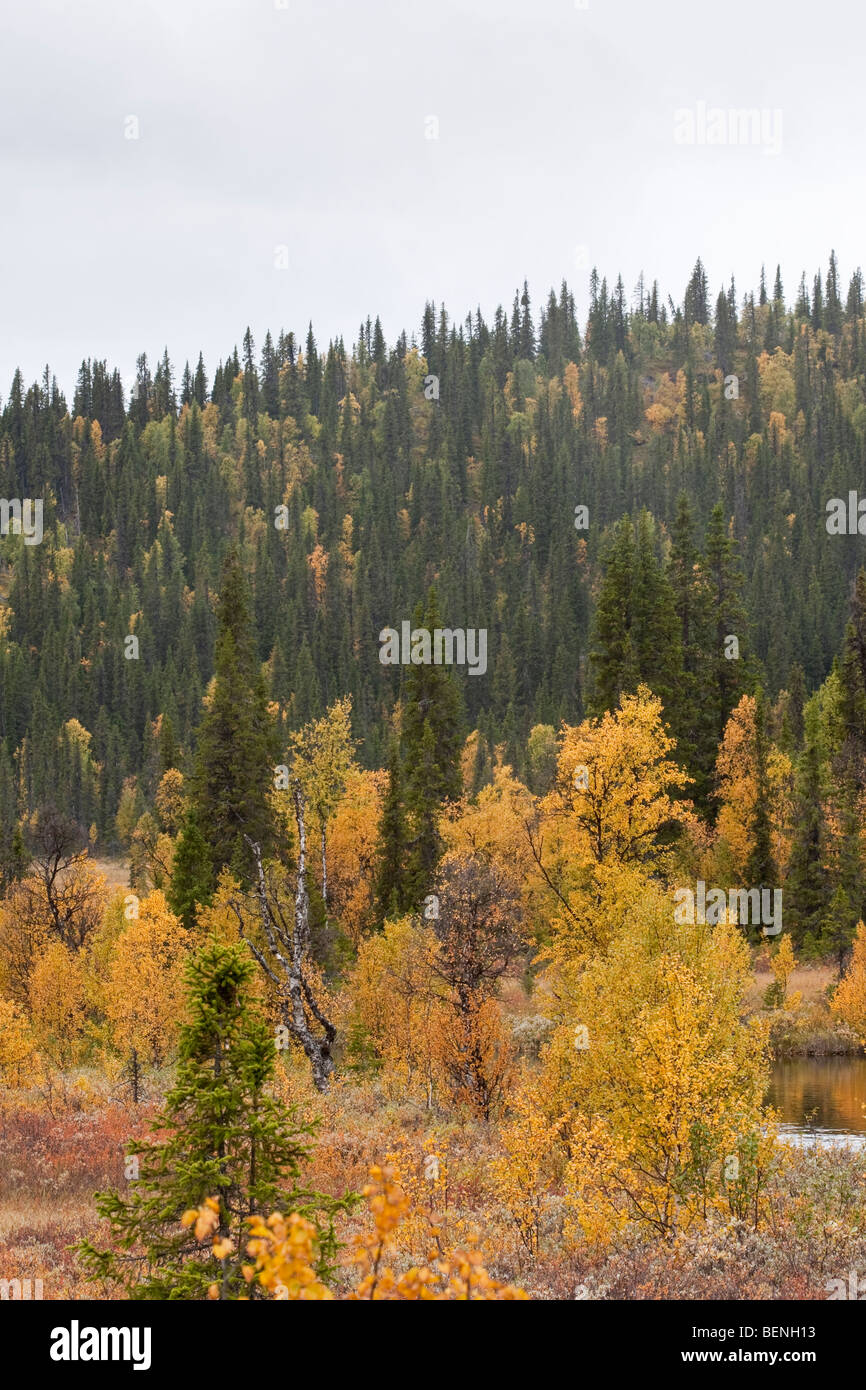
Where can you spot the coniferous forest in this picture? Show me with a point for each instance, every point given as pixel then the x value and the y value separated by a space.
pixel 338 960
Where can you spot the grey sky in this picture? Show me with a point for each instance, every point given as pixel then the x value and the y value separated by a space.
pixel 304 127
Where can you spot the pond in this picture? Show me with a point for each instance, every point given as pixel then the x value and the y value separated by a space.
pixel 820 1100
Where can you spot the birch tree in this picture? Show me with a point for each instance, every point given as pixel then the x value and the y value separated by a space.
pixel 322 758
pixel 284 954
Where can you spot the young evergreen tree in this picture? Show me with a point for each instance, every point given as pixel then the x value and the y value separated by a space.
pixel 658 646
pixel 806 884
pixel 222 1136
pixel 613 657
pixel 837 930
pixel 192 875
pixel 636 636
pixel 847 905
pixel 237 741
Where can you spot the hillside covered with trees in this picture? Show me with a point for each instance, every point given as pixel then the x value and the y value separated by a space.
pixel 508 944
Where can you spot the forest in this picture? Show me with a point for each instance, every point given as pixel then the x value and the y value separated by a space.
pixel 432 802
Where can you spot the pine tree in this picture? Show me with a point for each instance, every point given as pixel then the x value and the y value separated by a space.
pixel 237 745
pixel 222 1136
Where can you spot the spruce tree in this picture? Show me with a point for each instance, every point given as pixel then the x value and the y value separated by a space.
pixel 657 643
pixel 222 1135
pixel 837 929
pixel 613 658
pixel 14 859
pixel 806 884
pixel 168 752
pixel 847 905
pixel 851 760
pixel 237 743
pixel 192 876
pixel 637 635
pixel 795 706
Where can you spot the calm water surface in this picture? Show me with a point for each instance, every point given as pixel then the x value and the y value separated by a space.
pixel 821 1100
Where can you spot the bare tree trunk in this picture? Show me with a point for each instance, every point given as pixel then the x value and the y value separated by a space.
pixel 288 943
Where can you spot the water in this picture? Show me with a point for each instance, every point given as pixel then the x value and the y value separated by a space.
pixel 820 1100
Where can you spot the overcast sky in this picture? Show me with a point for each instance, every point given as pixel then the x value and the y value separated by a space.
pixel 307 128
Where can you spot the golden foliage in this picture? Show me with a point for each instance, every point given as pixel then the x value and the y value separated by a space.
pixel 171 799
pixel 58 1003
pixel 399 1003
pixel 473 1054
pixel 19 1061
pixel 522 1177
pixel 494 826
pixel 284 1249
pixel 318 562
pixel 352 847
pixel 423 1178
pixel 144 991
pixel 737 774
pixel 783 965
pixel 660 1080
pixel 595 843
pixel 849 1001
pixel 24 934
pixel 571 377
pixel 778 393
pixel 458 1274
pixel 152 854
pixel 613 780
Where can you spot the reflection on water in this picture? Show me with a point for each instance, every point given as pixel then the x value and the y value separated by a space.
pixel 820 1100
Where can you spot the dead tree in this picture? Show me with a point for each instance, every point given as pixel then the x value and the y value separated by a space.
pixel 58 846
pixel 284 957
